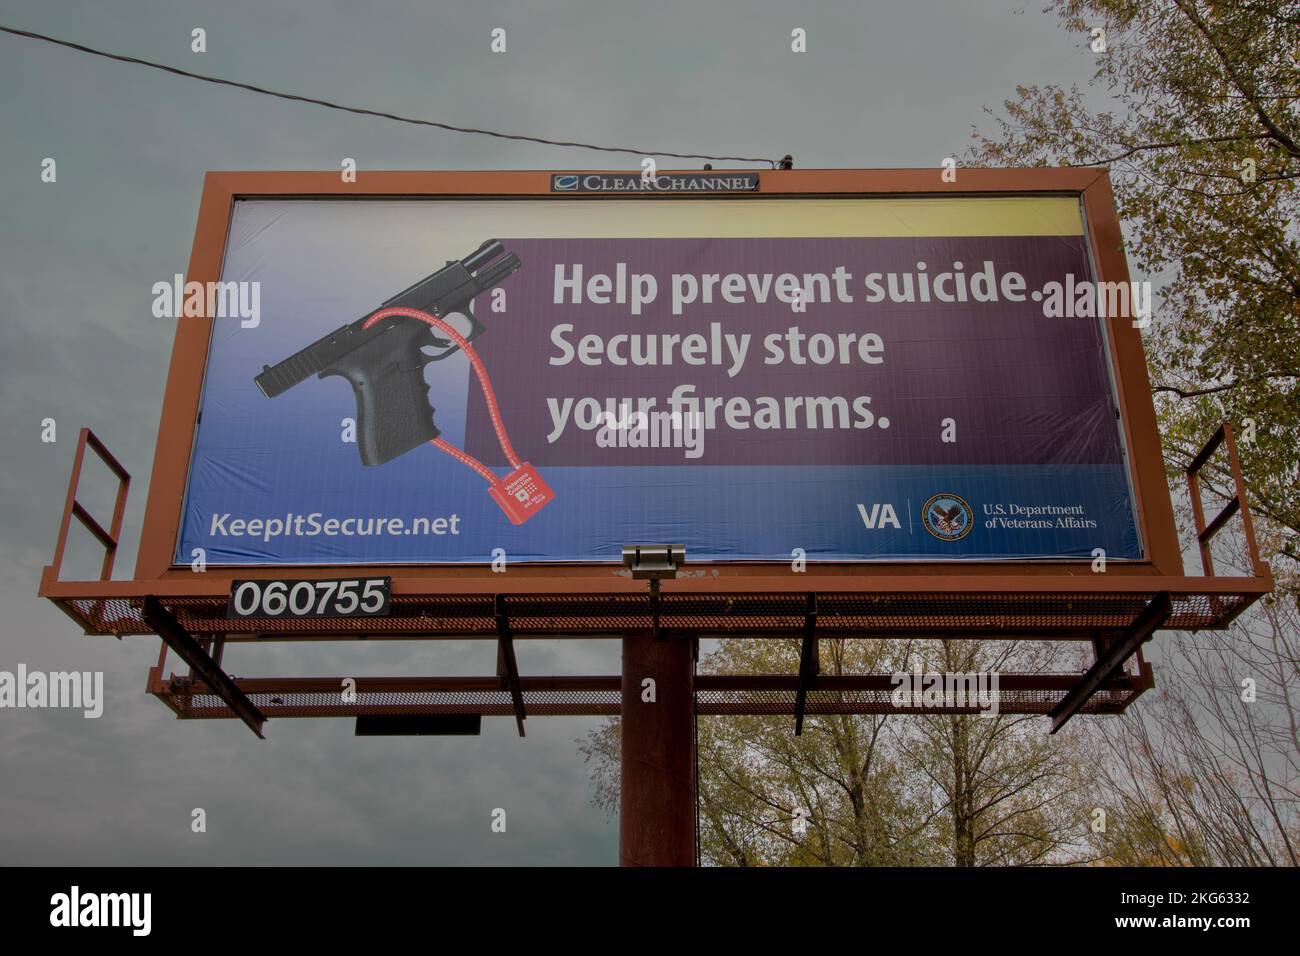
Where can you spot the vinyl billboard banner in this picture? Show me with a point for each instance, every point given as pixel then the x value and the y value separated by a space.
pixel 408 381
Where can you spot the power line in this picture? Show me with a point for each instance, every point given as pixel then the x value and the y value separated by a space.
pixel 360 110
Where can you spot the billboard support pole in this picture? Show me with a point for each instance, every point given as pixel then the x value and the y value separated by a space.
pixel 657 775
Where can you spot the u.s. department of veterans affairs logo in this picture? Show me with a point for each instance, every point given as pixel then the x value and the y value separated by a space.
pixel 947 517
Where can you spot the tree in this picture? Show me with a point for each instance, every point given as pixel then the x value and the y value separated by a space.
pixel 1201 140
pixel 1203 155
pixel 1007 793
pixel 878 789
pixel 835 796
pixel 1206 772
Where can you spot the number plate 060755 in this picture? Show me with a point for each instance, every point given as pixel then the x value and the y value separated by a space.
pixel 350 597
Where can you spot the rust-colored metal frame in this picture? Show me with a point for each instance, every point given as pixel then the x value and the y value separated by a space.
pixel 1117 611
pixel 1237 504
pixel 221 190
pixel 73 508
pixel 597 696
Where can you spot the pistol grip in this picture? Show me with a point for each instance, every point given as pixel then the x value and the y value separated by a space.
pixel 387 379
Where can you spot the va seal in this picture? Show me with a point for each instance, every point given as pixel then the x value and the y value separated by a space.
pixel 947 517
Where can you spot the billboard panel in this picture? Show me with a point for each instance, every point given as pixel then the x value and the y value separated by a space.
pixel 862 379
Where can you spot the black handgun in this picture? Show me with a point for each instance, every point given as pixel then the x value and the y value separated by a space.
pixel 385 363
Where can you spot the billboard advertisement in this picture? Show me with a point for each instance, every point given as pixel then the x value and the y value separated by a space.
pixel 411 381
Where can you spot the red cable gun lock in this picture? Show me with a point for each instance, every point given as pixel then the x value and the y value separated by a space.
pixel 520 494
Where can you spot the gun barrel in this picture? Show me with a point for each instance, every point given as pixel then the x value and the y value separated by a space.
pixel 496 273
pixel 484 253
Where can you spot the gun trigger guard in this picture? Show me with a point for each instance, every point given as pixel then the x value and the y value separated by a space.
pixel 475 329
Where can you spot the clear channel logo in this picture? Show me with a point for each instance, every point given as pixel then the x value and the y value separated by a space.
pixel 564 183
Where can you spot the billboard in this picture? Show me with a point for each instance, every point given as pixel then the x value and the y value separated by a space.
pixel 439 381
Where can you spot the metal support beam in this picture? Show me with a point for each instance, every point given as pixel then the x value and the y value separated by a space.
pixel 654 610
pixel 178 639
pixel 809 663
pixel 507 668
pixel 1108 664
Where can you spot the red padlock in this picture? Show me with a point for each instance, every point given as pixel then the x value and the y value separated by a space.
pixel 521 494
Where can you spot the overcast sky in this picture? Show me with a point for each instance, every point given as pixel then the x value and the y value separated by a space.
pixel 882 85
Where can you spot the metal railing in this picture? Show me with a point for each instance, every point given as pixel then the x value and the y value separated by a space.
pixel 1237 504
pixel 73 508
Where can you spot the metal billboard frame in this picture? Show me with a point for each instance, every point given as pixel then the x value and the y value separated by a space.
pixel 183 394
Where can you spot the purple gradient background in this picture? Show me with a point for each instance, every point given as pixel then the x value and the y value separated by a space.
pixel 1023 388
